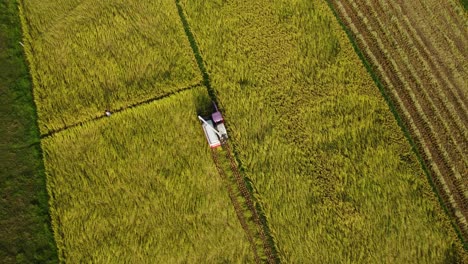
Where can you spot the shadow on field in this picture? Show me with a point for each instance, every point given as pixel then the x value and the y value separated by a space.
pixel 203 104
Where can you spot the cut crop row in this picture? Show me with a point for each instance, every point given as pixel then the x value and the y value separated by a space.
pixel 417 120
pixel 454 93
pixel 423 99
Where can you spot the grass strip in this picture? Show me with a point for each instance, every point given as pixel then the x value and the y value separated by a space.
pixel 25 231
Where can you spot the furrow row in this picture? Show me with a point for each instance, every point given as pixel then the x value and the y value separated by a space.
pixel 444 127
pixel 414 121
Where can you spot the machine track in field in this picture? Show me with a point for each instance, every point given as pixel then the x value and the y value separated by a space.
pixel 229 172
pixel 235 203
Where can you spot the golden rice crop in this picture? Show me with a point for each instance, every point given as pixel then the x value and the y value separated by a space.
pixel 141 187
pixel 337 178
pixel 86 57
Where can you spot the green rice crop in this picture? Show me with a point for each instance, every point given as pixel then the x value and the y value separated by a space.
pixel 141 187
pixel 337 178
pixel 86 57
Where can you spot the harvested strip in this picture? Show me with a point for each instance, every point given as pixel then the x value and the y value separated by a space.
pixel 235 203
pixel 448 163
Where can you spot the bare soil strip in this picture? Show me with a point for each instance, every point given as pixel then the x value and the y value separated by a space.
pixel 425 73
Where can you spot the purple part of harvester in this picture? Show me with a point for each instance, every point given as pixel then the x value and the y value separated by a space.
pixel 216 116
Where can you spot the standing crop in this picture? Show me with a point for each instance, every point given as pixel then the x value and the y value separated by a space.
pixel 311 130
pixel 86 57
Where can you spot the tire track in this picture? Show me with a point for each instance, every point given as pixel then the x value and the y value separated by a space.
pixel 235 203
pixel 249 199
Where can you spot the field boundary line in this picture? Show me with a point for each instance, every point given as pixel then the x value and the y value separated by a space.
pixel 121 109
pixel 269 244
pixel 393 108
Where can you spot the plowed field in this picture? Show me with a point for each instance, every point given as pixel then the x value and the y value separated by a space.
pixel 418 49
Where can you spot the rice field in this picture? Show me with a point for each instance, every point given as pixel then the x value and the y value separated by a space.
pixel 330 170
pixel 332 167
pixel 130 189
pixel 90 56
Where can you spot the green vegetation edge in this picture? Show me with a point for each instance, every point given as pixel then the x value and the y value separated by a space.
pixel 25 228
pixel 395 113
pixel 464 4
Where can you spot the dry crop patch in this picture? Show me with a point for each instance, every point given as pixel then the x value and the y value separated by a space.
pixel 89 56
pixel 141 186
pixel 312 132
pixel 419 50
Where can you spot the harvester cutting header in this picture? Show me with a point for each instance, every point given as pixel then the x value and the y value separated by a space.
pixel 214 128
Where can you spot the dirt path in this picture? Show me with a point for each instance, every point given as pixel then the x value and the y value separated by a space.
pixel 418 51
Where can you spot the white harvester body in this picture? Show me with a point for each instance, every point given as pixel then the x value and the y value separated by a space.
pixel 214 129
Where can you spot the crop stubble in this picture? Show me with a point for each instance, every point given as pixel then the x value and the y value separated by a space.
pixel 417 50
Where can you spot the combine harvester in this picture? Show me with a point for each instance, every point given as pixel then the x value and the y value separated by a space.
pixel 216 135
pixel 214 128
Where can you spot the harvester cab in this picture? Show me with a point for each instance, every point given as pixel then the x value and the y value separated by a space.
pixel 214 128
